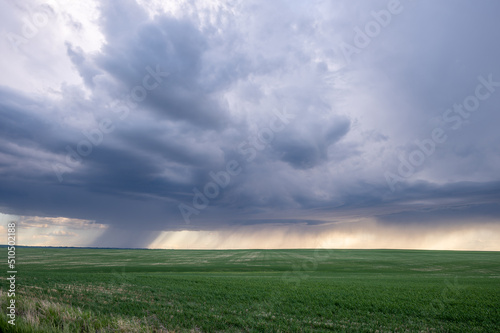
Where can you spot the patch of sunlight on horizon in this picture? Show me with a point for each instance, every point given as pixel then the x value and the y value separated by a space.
pixel 367 235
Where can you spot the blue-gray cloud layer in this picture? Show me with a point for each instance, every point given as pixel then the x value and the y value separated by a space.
pixel 234 74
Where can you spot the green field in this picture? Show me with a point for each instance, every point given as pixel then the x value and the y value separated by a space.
pixel 101 290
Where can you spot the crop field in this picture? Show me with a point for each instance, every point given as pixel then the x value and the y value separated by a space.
pixel 105 290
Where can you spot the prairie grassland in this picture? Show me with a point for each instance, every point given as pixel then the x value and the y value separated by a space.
pixel 103 290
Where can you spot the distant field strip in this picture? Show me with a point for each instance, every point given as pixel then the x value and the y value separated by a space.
pixel 105 290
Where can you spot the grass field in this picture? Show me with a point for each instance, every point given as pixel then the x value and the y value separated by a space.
pixel 101 290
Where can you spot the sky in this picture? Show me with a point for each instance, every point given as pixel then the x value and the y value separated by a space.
pixel 251 124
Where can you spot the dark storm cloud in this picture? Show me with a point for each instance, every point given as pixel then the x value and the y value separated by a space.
pixel 306 145
pixel 176 47
pixel 18 124
pixel 173 46
pixel 229 72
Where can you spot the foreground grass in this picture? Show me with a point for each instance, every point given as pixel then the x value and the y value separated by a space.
pixel 79 290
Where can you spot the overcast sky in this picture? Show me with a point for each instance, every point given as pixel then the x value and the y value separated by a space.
pixel 222 124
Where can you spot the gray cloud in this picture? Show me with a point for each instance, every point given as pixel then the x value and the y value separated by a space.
pixel 229 70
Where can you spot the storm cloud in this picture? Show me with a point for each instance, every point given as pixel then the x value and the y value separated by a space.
pixel 204 116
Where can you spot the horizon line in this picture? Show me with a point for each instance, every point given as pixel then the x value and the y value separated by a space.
pixel 239 249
